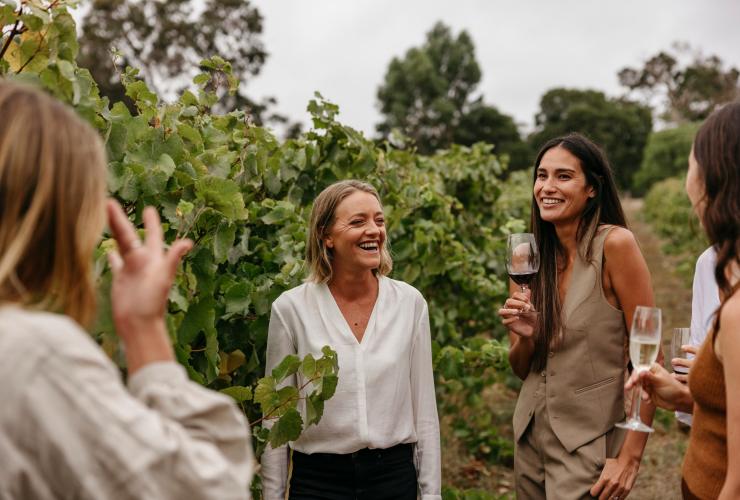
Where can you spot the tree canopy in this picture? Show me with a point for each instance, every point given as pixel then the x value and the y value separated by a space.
pixel 619 126
pixel 167 40
pixel 429 95
pixel 687 91
pixel 666 155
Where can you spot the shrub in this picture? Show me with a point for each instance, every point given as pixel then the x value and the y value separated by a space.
pixel 666 155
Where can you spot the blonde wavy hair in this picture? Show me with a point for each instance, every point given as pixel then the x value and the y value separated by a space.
pixel 52 203
pixel 318 256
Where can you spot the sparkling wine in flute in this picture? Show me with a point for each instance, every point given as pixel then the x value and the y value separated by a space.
pixel 644 346
pixel 643 352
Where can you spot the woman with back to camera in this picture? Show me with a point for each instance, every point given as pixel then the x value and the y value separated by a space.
pixel 571 352
pixel 69 428
pixel 711 468
pixel 379 435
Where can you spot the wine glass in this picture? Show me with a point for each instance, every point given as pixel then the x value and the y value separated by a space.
pixel 644 346
pixel 522 259
pixel 680 337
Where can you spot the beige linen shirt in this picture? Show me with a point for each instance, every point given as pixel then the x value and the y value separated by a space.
pixel 69 428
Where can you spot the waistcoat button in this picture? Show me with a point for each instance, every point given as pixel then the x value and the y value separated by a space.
pixel 544 374
pixel 551 354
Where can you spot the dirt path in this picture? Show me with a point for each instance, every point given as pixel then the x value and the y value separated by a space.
pixel 660 473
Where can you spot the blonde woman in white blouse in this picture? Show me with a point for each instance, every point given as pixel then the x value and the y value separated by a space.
pixel 379 436
pixel 69 428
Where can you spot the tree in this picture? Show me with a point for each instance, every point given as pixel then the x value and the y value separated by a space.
pixel 429 95
pixel 666 155
pixel 167 40
pixel 688 91
pixel 485 123
pixel 621 127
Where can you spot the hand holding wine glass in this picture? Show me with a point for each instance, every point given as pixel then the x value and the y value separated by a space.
pixel 644 347
pixel 680 350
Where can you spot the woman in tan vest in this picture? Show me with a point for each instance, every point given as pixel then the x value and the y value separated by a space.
pixel 711 468
pixel 570 353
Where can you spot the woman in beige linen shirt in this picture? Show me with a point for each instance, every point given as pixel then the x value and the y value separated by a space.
pixel 69 428
pixel 379 434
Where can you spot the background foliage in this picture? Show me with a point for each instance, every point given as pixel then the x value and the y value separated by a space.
pixel 429 95
pixel 243 197
pixel 682 84
pixel 666 155
pixel 669 212
pixel 619 126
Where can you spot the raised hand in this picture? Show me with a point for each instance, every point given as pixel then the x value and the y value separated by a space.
pixel 143 273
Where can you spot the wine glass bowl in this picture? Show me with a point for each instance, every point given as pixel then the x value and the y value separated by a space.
pixel 680 337
pixel 522 258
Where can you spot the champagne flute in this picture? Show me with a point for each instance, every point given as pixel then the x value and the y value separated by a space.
pixel 680 338
pixel 522 259
pixel 644 346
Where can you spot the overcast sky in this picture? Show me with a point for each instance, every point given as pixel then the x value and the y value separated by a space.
pixel 342 47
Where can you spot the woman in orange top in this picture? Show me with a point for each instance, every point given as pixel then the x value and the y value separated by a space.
pixel 712 465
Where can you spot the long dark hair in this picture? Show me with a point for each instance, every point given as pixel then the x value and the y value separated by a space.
pixel 603 208
pixel 717 152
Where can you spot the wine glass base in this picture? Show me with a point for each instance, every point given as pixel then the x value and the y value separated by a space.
pixel 634 424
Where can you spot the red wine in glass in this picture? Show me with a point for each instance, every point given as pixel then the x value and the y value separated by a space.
pixel 522 279
pixel 522 259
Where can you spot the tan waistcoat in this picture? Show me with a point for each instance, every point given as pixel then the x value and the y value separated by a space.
pixel 585 376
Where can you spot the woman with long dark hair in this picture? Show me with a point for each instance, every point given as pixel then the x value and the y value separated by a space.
pixel 711 468
pixel 571 352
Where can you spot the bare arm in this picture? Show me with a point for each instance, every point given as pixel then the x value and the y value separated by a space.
pixel 728 350
pixel 521 330
pixel 629 281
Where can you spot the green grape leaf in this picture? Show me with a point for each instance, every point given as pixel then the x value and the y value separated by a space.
pixel 287 367
pixel 239 393
pixel 286 429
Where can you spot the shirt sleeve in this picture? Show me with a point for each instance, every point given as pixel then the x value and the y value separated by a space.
pixel 697 311
pixel 427 456
pixel 275 461
pixel 166 437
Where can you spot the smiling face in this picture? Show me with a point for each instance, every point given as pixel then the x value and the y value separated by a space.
pixel 561 189
pixel 357 234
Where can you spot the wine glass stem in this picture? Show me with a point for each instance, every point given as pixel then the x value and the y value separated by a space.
pixel 636 401
pixel 524 288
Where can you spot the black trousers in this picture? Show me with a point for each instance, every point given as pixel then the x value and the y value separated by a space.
pixel 387 474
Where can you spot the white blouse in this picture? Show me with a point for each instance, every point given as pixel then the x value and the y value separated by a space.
pixel 385 394
pixel 70 429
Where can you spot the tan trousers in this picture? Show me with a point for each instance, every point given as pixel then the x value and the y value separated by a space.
pixel 543 469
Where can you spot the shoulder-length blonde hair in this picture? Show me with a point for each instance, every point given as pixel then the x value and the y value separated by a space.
pixel 52 195
pixel 318 256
